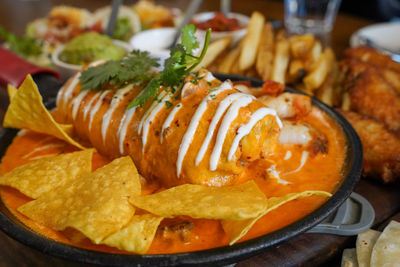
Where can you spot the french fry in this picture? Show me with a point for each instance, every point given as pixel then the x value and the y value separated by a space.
pixel 313 55
pixel 265 55
pixel 300 45
pixel 346 101
pixel 251 41
pixel 227 63
pixel 316 77
pixel 252 72
pixel 296 71
pixel 213 51
pixel 281 61
pixel 326 92
pixel 280 35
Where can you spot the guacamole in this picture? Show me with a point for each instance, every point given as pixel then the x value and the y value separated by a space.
pixel 89 47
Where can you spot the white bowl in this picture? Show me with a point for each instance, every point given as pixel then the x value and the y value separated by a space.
pixel 385 35
pixel 156 42
pixel 236 35
pixel 66 70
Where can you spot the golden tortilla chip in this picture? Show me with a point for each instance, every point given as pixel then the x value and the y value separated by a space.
pixel 95 204
pixel 365 243
pixel 236 202
pixel 26 110
pixel 137 236
pixel 386 251
pixel 35 178
pixel 237 229
pixel 11 90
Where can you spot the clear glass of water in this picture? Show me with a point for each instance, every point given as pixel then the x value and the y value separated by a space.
pixel 310 16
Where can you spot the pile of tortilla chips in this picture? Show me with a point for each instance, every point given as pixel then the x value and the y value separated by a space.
pixel 374 248
pixel 101 204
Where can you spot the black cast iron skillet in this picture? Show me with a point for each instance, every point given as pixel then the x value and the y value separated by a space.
pixel 217 256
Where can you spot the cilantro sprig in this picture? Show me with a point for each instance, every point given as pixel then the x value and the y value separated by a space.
pixel 137 67
pixel 180 63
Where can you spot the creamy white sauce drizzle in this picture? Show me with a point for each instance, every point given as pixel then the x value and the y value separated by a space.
pixel 222 107
pixel 89 104
pixel 169 119
pixel 274 174
pixel 185 87
pixel 230 116
pixel 41 148
pixel 68 91
pixel 116 100
pixel 123 127
pixel 304 156
pixel 161 95
pixel 96 107
pixel 188 137
pixel 209 77
pixel 245 129
pixel 288 155
pixel 77 101
pixel 150 118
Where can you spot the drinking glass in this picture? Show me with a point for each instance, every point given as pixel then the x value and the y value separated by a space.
pixel 310 16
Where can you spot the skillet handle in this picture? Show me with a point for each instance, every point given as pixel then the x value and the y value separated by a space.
pixel 14 69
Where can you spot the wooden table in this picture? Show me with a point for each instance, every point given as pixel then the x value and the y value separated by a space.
pixel 306 249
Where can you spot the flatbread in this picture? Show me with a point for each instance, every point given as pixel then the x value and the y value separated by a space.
pixel 365 243
pixel 386 251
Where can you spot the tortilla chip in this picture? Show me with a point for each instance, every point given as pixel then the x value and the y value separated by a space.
pixel 11 90
pixel 349 258
pixel 35 178
pixel 95 204
pixel 237 229
pixel 365 243
pixel 386 251
pixel 26 111
pixel 137 236
pixel 236 202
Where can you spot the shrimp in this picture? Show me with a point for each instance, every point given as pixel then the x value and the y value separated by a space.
pixel 295 133
pixel 288 105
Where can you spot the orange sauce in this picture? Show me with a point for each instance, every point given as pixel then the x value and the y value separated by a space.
pixel 320 172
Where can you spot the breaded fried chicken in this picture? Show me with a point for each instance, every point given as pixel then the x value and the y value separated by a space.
pixel 381 147
pixel 374 91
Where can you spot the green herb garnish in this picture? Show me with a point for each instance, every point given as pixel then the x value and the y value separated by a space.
pixel 22 46
pixel 137 67
pixel 168 104
pixel 134 68
pixel 177 66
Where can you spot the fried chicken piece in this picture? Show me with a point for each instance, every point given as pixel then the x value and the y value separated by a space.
pixel 370 92
pixel 381 147
pixel 372 57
